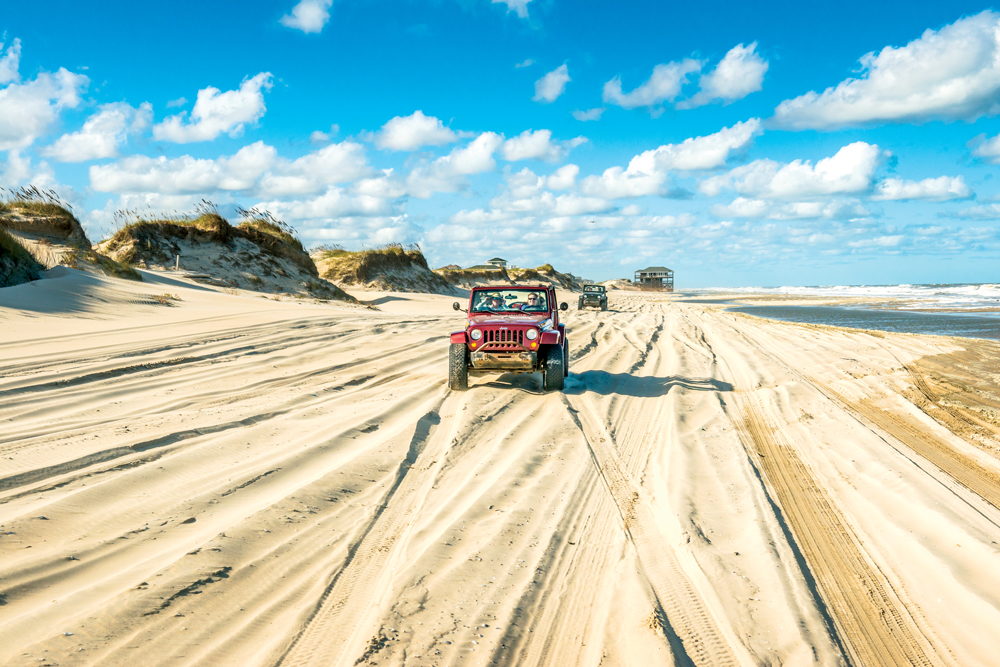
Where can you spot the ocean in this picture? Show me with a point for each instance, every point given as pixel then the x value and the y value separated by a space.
pixel 970 310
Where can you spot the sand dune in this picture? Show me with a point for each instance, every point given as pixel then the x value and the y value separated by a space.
pixel 240 480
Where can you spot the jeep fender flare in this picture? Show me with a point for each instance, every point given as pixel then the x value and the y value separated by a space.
pixel 550 338
pixel 459 337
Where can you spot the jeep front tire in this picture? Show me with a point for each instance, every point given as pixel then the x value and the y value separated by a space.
pixel 458 367
pixel 554 371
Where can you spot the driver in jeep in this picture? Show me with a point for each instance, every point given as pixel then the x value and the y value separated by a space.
pixel 534 303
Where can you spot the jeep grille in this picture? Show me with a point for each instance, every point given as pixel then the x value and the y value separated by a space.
pixel 504 337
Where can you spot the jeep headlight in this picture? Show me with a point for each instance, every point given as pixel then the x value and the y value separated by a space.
pixel 531 334
pixel 476 334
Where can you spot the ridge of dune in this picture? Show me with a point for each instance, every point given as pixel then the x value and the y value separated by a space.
pixel 478 276
pixel 389 268
pixel 245 481
pixel 259 254
pixel 37 234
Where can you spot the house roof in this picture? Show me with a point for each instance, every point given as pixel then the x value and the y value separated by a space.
pixel 497 259
pixel 653 269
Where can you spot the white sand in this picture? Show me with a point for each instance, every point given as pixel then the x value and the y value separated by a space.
pixel 241 480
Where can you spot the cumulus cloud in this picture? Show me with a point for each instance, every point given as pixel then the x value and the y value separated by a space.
pixel 551 86
pixel 216 112
pixel 587 115
pixel 952 74
pixel 743 207
pixel 664 84
pixel 407 133
pixel 537 145
pixel 255 168
pixel 563 178
pixel 18 170
pixel 647 172
pixel 28 110
pixel 102 133
pixel 185 174
pixel 519 7
pixel 308 15
pixel 618 183
pixel 739 73
pixel 850 170
pixel 989 149
pixel 447 173
pixel 705 152
pixel 10 59
pixel 982 212
pixel 311 173
pixel 941 188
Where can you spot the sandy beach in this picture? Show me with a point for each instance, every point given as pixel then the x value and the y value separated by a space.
pixel 191 475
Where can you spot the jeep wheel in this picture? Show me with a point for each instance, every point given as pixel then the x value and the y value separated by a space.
pixel 580 305
pixel 604 305
pixel 554 372
pixel 458 368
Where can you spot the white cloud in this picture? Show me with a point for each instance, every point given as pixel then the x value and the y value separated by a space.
pixel 18 170
pixel 537 145
pixel 407 133
pixel 742 207
pixel 646 173
pixel 983 212
pixel 102 133
pixel 941 188
pixel 308 15
pixel 887 241
pixel 989 150
pixel 739 73
pixel 216 112
pixel 952 73
pixel 311 173
pixel 255 168
pixel 447 173
pixel 850 170
pixel 617 183
pixel 551 86
pixel 588 114
pixel 706 152
pixel 527 62
pixel 519 7
pixel 563 178
pixel 10 62
pixel 185 174
pixel 664 84
pixel 28 109
pixel 335 202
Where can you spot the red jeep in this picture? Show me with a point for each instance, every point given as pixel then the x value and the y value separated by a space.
pixel 514 329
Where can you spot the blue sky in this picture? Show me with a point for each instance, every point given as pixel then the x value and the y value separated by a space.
pixel 738 144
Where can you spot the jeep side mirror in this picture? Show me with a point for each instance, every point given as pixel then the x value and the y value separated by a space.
pixel 563 306
pixel 457 306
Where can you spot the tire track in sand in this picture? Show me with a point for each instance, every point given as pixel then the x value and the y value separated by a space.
pixel 694 634
pixel 871 619
pixel 369 563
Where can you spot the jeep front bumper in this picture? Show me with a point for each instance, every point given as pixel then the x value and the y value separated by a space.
pixel 503 361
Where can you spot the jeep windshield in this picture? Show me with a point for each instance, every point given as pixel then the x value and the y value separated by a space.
pixel 593 288
pixel 509 301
